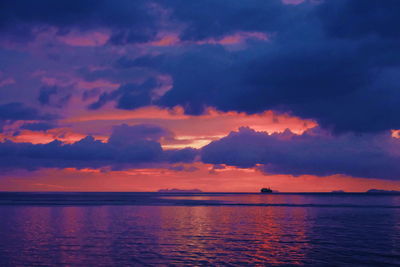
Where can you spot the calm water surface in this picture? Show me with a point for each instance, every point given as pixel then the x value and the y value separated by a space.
pixel 134 229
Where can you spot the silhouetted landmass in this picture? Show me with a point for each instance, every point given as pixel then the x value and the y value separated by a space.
pixel 381 191
pixel 174 190
pixel 338 191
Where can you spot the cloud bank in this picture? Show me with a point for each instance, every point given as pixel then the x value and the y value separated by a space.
pixel 315 153
pixel 128 147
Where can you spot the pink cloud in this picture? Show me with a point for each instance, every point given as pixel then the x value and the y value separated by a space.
pixel 85 39
pixel 67 80
pixel 167 40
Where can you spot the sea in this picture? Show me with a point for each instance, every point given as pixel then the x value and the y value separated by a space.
pixel 201 229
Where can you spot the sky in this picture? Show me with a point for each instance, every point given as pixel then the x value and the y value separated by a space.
pixel 218 95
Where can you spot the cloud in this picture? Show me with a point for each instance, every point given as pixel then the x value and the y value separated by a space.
pixel 314 66
pixel 85 39
pixel 128 96
pixel 16 111
pixel 186 155
pixel 54 96
pixel 210 19
pixel 354 19
pixel 345 77
pixel 315 153
pixel 129 21
pixel 38 126
pixel 128 147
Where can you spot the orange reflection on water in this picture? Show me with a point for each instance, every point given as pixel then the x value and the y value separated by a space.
pixel 223 235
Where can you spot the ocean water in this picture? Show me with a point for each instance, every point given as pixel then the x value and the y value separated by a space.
pixel 152 229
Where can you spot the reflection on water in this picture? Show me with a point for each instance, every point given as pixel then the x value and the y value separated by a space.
pixel 200 235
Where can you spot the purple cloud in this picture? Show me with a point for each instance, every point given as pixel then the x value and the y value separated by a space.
pixel 16 111
pixel 128 147
pixel 38 126
pixel 343 77
pixel 129 21
pixel 315 153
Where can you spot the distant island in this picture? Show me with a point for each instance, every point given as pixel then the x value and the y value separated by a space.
pixel 174 190
pixel 381 191
pixel 370 191
pixel 338 191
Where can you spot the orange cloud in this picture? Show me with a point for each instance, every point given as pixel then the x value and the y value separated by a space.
pixel 85 38
pixel 190 131
pixel 396 133
pixel 167 40
pixel 194 131
pixel 172 39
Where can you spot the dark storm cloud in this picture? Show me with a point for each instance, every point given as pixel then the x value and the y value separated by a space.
pixel 210 18
pixel 313 153
pixel 337 62
pixel 202 76
pixel 128 96
pixel 334 61
pixel 131 21
pixel 128 147
pixel 356 19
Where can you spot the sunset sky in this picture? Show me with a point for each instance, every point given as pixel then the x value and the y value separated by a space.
pixel 219 95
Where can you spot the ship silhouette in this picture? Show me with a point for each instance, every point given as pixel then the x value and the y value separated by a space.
pixel 266 190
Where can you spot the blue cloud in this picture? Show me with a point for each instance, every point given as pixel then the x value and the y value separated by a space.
pixel 128 147
pixel 314 153
pixel 343 76
pixel 38 126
